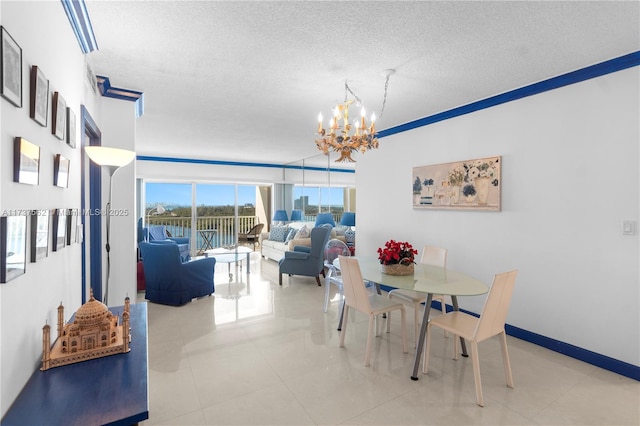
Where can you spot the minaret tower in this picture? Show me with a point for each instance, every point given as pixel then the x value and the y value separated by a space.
pixel 46 346
pixel 60 319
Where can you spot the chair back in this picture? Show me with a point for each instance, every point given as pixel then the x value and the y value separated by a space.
pixel 160 260
pixel 435 256
pixel 333 249
pixel 256 230
pixel 157 232
pixel 355 291
pixel 496 307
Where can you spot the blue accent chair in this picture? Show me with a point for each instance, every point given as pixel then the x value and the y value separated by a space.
pixel 158 233
pixel 169 281
pixel 306 261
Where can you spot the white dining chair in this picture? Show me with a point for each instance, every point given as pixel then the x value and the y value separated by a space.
pixel 475 330
pixel 359 298
pixel 430 256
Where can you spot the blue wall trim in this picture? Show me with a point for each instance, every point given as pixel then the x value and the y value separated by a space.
pixel 237 163
pixel 76 11
pixel 109 91
pixel 597 70
pixel 593 358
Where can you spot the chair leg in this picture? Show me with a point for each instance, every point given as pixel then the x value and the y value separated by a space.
pixel 455 346
pixel 280 279
pixel 388 322
pixel 505 359
pixel 427 350
pixel 476 372
pixel 318 280
pixel 367 355
pixel 403 322
pixel 326 294
pixel 343 332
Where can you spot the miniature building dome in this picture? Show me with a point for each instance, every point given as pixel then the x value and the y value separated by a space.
pixel 91 313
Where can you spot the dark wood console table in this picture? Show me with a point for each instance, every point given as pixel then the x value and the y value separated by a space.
pixel 113 390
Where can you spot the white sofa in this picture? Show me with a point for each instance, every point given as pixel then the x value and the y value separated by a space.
pixel 274 250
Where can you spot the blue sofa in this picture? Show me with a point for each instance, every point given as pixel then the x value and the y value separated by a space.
pixel 169 281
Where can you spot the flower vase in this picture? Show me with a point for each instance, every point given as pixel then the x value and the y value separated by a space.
pixel 398 269
pixel 455 194
pixel 482 189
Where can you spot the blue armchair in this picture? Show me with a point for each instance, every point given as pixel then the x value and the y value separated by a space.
pixel 158 233
pixel 306 261
pixel 170 281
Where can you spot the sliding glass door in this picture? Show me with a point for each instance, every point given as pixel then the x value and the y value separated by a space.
pixel 217 211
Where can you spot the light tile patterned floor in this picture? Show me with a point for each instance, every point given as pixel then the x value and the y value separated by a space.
pixel 257 353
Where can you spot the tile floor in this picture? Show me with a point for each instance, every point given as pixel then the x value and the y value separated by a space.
pixel 260 354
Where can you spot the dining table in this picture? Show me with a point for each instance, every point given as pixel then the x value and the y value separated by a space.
pixel 427 279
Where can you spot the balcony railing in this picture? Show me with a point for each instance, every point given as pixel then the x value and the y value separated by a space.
pixel 224 225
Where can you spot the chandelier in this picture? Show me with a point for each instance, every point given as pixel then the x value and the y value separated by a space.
pixel 339 136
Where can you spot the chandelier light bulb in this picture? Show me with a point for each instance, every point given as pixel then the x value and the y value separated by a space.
pixel 320 123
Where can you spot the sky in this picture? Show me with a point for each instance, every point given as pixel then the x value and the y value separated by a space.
pixel 179 194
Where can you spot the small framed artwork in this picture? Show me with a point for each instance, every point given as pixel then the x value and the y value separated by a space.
pixel 13 247
pixel 61 171
pixel 39 234
pixel 58 116
pixel 59 229
pixel 11 69
pixel 72 226
pixel 462 185
pixel 39 105
pixel 71 128
pixel 26 161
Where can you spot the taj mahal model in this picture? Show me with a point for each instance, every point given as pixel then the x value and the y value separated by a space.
pixel 94 333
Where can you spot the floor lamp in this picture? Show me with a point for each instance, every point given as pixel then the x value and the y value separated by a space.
pixel 111 159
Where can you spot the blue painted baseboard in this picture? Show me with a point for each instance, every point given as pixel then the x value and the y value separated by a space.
pixel 593 358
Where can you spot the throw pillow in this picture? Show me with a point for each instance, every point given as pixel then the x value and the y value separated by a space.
pixel 303 233
pixel 278 233
pixel 292 233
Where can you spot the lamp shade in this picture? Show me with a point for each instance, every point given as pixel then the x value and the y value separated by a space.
pixel 323 218
pixel 104 156
pixel 348 219
pixel 296 215
pixel 280 216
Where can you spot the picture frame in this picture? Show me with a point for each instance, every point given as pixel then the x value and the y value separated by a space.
pixel 26 162
pixel 61 166
pixel 71 128
pixel 11 68
pixel 59 116
pixel 462 185
pixel 39 234
pixel 13 247
pixel 39 99
pixel 72 226
pixel 59 229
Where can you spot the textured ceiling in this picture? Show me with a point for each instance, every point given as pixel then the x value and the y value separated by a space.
pixel 244 81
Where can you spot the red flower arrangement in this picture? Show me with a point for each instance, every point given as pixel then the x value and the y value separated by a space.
pixel 395 252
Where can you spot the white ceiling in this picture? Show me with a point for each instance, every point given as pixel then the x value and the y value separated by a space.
pixel 244 81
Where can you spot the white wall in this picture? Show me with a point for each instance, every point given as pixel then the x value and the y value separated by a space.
pixel 43 31
pixel 118 129
pixel 569 178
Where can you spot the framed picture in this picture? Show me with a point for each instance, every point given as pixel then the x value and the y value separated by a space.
pixel 26 161
pixel 71 128
pixel 58 116
pixel 72 226
pixel 59 229
pixel 463 185
pixel 61 171
pixel 39 105
pixel 13 247
pixel 11 69
pixel 39 234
